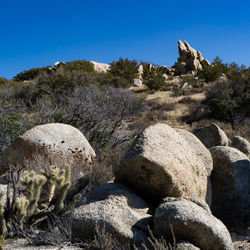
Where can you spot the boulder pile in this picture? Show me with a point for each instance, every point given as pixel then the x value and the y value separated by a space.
pixel 169 184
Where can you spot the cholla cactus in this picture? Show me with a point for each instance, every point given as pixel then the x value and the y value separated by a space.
pixel 33 183
pixel 21 207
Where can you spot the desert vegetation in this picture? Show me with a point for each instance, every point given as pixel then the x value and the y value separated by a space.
pixel 110 112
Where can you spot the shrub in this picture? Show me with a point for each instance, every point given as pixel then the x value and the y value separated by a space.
pixel 29 74
pixel 114 81
pixel 230 101
pixel 125 69
pixel 213 71
pixel 153 77
pixel 79 65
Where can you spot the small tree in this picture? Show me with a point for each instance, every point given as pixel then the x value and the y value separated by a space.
pixel 153 77
pixel 125 68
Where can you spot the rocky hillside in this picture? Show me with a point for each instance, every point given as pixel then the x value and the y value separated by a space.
pixel 126 155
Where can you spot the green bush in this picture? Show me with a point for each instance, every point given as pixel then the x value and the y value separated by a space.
pixel 125 69
pixel 29 74
pixel 79 65
pixel 230 101
pixel 213 71
pixel 153 77
pixel 114 81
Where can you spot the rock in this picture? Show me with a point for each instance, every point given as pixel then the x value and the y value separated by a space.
pixel 212 135
pixel 162 163
pixel 241 144
pixel 191 59
pixel 100 67
pixel 140 71
pixel 185 245
pixel 199 148
pixel 137 82
pixel 230 184
pixel 191 222
pixel 204 155
pixel 184 85
pixel 53 138
pixel 58 64
pixel 118 209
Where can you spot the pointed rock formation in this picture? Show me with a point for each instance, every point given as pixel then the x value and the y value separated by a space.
pixel 189 58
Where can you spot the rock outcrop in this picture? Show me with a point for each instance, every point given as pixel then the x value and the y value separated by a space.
pixel 53 138
pixel 161 163
pixel 230 185
pixel 191 222
pixel 191 59
pixel 211 136
pixel 118 209
pixel 241 144
pixel 100 67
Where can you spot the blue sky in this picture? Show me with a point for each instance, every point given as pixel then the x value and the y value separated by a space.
pixel 38 33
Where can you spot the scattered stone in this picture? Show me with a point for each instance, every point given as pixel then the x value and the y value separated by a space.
pixel 191 222
pixel 162 163
pixel 212 135
pixel 230 184
pixel 118 209
pixel 241 144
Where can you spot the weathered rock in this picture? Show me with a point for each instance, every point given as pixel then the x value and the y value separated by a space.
pixel 185 245
pixel 204 154
pixel 241 144
pixel 212 135
pixel 191 59
pixel 191 222
pixel 53 138
pixel 230 184
pixel 137 82
pixel 162 163
pixel 100 67
pixel 115 207
pixel 140 71
pixel 199 148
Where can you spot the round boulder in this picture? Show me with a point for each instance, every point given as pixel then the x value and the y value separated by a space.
pixel 230 184
pixel 160 163
pixel 191 222
pixel 212 136
pixel 242 144
pixel 51 138
pixel 116 208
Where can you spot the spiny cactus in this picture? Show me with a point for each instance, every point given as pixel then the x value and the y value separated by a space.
pixel 22 204
pixel 33 183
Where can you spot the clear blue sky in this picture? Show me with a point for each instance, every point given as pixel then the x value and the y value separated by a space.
pixel 37 33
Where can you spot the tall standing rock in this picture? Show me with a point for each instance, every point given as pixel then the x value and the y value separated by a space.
pixel 230 184
pixel 191 59
pixel 53 138
pixel 162 163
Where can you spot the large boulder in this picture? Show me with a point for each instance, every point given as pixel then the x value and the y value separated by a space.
pixel 204 154
pixel 242 144
pixel 161 163
pixel 53 138
pixel 230 184
pixel 191 222
pixel 191 59
pixel 212 135
pixel 116 208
